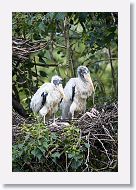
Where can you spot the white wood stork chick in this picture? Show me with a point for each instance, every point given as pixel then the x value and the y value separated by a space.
pixel 47 98
pixel 77 90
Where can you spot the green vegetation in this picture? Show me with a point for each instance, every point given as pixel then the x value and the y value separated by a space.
pixel 37 153
pixel 64 151
pixel 45 44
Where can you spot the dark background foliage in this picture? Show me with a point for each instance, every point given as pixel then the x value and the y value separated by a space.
pixel 45 44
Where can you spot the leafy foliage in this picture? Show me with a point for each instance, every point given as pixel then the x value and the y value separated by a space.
pixel 42 150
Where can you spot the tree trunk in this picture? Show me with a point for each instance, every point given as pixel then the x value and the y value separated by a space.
pixel 112 72
pixel 18 107
pixel 69 62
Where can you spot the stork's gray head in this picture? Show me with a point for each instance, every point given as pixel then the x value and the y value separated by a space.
pixel 84 74
pixel 56 80
pixel 82 71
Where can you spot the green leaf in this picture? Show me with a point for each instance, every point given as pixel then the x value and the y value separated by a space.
pixel 46 145
pixel 75 164
pixel 56 155
pixel 27 137
pixel 39 155
pixel 60 16
pixel 39 142
pixel 41 149
pixel 50 15
pixel 20 146
pixel 87 145
pixel 33 152
pixel 43 73
pixel 20 153
pixel 25 148
pixel 42 26
pixel 70 155
pixel 54 136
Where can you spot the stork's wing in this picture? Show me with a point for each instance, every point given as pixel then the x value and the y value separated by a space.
pixel 73 92
pixel 39 98
pixel 69 89
pixel 44 95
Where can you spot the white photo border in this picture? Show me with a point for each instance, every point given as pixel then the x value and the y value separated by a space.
pixel 123 174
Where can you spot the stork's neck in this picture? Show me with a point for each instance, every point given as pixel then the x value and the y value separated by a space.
pixel 84 85
pixel 82 80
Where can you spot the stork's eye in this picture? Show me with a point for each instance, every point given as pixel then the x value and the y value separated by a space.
pixel 85 71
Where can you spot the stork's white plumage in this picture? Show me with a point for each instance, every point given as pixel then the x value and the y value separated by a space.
pixel 77 90
pixel 47 98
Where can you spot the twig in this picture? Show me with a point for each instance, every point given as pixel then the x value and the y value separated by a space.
pixel 102 146
pixel 66 162
pixel 88 153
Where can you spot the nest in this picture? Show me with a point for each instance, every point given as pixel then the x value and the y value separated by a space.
pixel 98 128
pixel 100 121
pixel 22 48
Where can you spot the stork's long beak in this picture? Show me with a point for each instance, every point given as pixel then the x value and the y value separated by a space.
pixel 61 90
pixel 88 78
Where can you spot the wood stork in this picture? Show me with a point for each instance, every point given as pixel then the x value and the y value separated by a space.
pixel 47 98
pixel 77 90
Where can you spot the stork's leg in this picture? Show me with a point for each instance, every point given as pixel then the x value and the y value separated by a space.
pixel 54 124
pixel 44 119
pixel 43 113
pixel 72 110
pixel 65 109
pixel 84 110
pixel 53 117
